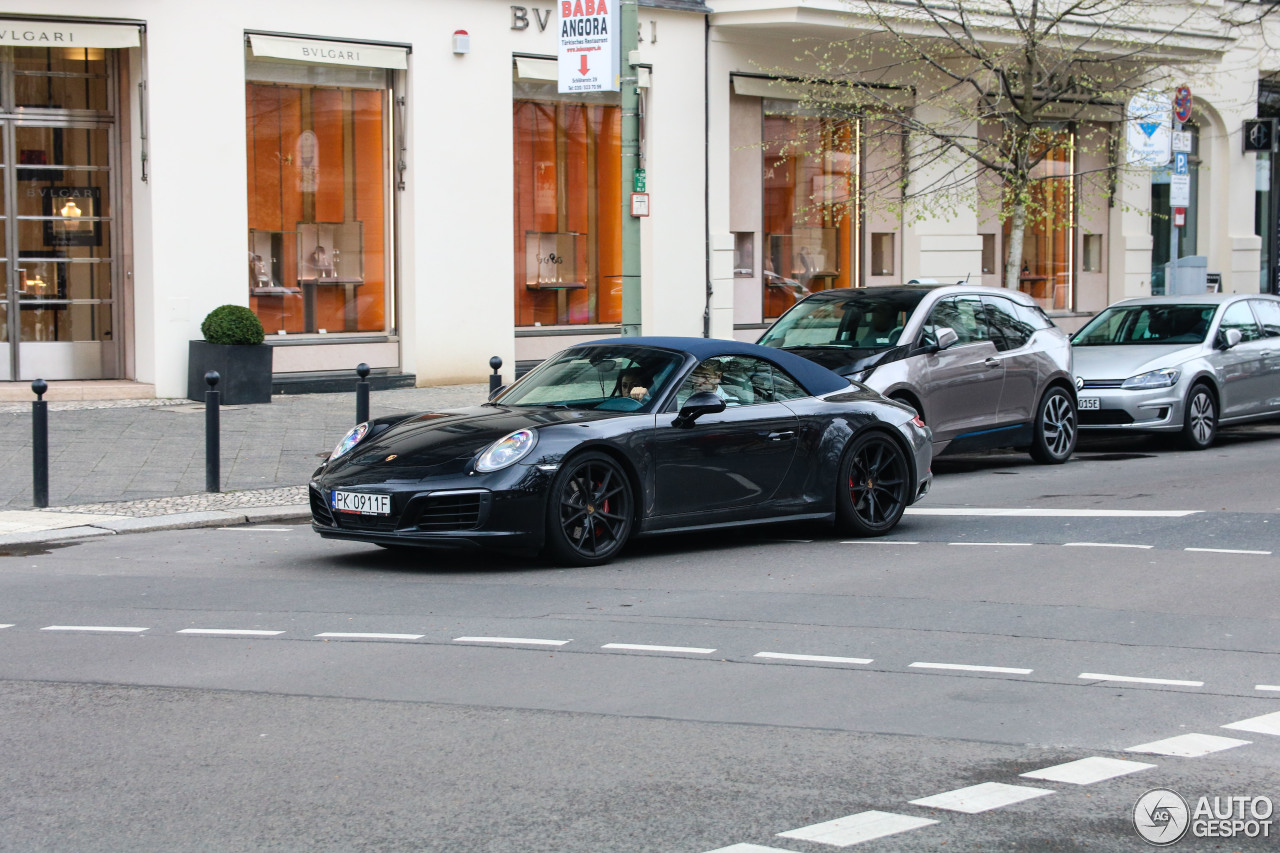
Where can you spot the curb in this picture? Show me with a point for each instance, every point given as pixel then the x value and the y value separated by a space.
pixel 176 521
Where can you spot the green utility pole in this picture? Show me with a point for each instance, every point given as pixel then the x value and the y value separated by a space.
pixel 628 43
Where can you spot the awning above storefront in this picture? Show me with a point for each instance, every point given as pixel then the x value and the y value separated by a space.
pixel 330 52
pixel 23 33
pixel 544 70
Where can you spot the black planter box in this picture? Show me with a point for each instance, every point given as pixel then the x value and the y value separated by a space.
pixel 245 372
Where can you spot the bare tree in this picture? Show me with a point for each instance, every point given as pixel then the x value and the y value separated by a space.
pixel 978 96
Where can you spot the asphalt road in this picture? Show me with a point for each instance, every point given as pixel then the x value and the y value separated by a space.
pixel 262 689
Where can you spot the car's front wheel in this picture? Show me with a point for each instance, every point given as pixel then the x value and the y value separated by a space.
pixel 589 511
pixel 1054 432
pixel 874 485
pixel 1199 419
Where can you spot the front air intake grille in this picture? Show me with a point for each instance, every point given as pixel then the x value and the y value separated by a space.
pixel 1104 417
pixel 1103 383
pixel 320 510
pixel 451 512
pixel 355 521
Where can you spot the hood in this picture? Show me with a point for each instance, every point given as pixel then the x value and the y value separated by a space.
pixel 443 443
pixel 849 360
pixel 1124 360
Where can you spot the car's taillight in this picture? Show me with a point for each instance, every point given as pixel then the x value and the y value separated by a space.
pixel 916 420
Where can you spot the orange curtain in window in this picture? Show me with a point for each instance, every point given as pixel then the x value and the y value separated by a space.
pixel 568 216
pixel 808 177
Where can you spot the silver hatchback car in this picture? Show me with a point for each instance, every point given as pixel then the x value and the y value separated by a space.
pixel 984 367
pixel 1180 364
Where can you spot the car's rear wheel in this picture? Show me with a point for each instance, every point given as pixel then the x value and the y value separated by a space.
pixel 1056 427
pixel 874 485
pixel 589 511
pixel 1199 418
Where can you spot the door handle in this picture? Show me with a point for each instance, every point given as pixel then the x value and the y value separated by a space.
pixel 992 362
pixel 786 435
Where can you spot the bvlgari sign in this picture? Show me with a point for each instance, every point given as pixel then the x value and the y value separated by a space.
pixel 330 52
pixel 62 34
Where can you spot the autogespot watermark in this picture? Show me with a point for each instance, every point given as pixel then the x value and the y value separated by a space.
pixel 1162 817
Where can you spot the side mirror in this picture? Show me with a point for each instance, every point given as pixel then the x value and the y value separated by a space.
pixel 702 403
pixel 1228 338
pixel 946 338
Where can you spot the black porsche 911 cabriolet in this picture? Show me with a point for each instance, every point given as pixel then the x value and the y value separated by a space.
pixel 628 437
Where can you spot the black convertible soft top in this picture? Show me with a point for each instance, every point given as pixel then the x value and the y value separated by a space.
pixel 815 378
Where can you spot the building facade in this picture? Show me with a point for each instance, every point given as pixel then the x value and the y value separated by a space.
pixel 400 183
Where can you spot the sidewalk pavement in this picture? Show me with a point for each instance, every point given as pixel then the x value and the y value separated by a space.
pixel 131 465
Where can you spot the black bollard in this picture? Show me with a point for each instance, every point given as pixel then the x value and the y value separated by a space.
pixel 212 438
pixel 495 381
pixel 362 393
pixel 40 445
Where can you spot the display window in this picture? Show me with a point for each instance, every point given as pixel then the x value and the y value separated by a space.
pixel 568 207
pixel 811 224
pixel 319 247
pixel 1048 264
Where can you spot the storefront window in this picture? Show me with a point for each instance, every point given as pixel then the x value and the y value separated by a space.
pixel 318 256
pixel 568 207
pixel 1047 248
pixel 811 229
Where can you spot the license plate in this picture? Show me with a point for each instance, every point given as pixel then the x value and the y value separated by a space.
pixel 1090 403
pixel 361 503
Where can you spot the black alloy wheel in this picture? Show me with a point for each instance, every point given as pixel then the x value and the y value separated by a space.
pixel 1056 428
pixel 589 511
pixel 874 485
pixel 1199 419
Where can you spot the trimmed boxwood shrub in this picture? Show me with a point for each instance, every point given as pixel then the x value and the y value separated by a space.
pixel 232 324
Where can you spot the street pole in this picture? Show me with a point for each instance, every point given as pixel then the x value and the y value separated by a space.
pixel 629 42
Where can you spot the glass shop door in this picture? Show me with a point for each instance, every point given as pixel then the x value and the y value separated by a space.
pixel 57 200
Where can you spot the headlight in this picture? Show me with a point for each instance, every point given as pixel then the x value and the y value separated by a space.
pixel 349 440
pixel 507 450
pixel 1153 379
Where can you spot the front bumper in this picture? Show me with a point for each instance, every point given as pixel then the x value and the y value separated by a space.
pixel 1154 410
pixel 506 515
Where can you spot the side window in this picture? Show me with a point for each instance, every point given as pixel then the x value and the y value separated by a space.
pixel 1007 330
pixel 1032 315
pixel 1238 316
pixel 738 380
pixel 1268 315
pixel 963 315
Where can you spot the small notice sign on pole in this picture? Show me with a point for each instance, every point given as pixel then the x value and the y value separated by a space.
pixel 587 60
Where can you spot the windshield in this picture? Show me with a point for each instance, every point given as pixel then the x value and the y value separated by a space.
pixel 604 378
pixel 1147 324
pixel 864 320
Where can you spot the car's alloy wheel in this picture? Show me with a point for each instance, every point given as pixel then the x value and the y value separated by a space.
pixel 874 485
pixel 1200 421
pixel 589 511
pixel 1055 428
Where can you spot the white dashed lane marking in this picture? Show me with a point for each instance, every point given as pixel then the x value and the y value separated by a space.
pixel 1086 771
pixel 1104 545
pixel 996 544
pixel 231 632
pixel 749 848
pixel 515 641
pixel 968 667
pixel 811 658
pixel 104 629
pixel 1266 687
pixel 1188 745
pixel 1267 724
pixel 336 635
pixel 1053 513
pixel 637 648
pixel 854 829
pixel 1133 679
pixel 1226 551
pixel 6 626
pixel 879 542
pixel 982 798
